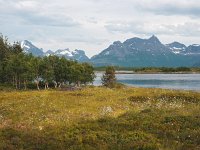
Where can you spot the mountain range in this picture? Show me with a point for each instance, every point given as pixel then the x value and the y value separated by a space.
pixel 137 52
pixel 78 55
pixel 134 52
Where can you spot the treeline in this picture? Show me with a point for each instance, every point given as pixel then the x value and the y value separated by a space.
pixel 21 70
pixel 117 68
pixel 152 69
pixel 166 69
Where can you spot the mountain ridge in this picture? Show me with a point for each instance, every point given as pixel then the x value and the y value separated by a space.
pixel 137 52
pixel 78 55
pixel 133 52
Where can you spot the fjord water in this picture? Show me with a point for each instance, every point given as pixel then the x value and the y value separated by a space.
pixel 166 81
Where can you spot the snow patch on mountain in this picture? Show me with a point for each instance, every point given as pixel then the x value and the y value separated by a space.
pixel 195 45
pixel 28 47
pixel 78 55
pixel 107 53
pixel 176 47
pixel 64 52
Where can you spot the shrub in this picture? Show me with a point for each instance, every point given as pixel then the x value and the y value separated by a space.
pixel 109 79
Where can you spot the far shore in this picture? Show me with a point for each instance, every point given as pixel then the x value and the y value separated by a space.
pixel 158 73
pixel 141 72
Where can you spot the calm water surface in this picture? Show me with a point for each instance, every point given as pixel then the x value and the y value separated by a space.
pixel 167 81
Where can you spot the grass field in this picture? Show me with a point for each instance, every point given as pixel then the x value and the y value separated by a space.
pixel 100 118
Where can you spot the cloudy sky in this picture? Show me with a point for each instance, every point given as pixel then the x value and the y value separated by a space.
pixel 92 25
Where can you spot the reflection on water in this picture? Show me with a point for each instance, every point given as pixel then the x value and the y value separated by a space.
pixel 168 81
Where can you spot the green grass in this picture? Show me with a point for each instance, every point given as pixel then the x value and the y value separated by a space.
pixel 100 118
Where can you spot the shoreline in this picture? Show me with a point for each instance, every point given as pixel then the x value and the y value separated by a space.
pixel 158 73
pixel 132 72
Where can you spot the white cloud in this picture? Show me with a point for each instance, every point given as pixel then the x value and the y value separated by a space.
pixel 93 24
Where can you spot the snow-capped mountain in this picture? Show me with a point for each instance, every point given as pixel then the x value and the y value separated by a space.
pixel 177 47
pixel 78 55
pixel 28 47
pixel 137 52
pixel 193 49
pixel 63 52
pixel 134 52
pixel 75 54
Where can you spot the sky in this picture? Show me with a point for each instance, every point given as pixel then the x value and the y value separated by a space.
pixel 92 25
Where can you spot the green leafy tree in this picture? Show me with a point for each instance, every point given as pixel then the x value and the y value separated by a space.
pixel 17 69
pixel 5 51
pixel 5 48
pixel 88 74
pixel 36 70
pixel 60 68
pixel 109 79
pixel 16 48
pixel 76 71
pixel 28 75
pixel 47 72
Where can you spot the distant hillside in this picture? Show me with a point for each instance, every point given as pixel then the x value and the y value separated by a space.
pixel 136 52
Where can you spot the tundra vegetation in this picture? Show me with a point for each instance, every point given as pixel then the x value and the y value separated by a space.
pixel 100 118
pixel 23 70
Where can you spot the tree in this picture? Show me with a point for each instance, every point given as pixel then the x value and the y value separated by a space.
pixel 5 47
pixel 60 68
pixel 88 74
pixel 76 71
pixel 36 70
pixel 16 69
pixel 109 79
pixel 16 48
pixel 5 51
pixel 47 72
pixel 19 68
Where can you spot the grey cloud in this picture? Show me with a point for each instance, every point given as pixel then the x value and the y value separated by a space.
pixel 38 19
pixel 30 18
pixel 83 39
pixel 173 10
pixel 123 27
pixel 29 12
pixel 92 20
pixel 186 29
pixel 171 7
pixel 95 23
pixel 134 27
